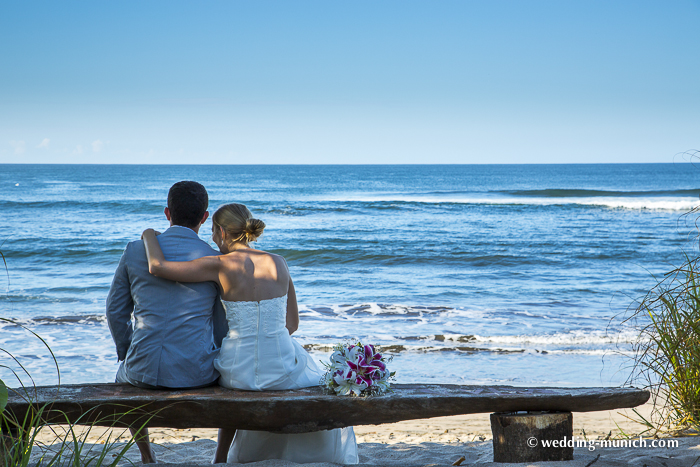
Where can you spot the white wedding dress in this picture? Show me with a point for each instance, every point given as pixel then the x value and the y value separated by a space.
pixel 258 354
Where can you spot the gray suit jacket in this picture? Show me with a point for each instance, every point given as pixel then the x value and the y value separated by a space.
pixel 177 327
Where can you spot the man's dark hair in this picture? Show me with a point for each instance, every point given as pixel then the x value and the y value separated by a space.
pixel 187 202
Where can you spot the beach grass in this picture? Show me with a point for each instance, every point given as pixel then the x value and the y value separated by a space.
pixel 19 443
pixel 667 351
pixel 67 446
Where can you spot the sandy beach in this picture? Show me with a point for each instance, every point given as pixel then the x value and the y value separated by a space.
pixel 437 441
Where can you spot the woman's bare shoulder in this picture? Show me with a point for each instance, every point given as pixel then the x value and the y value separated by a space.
pixel 278 260
pixel 274 262
pixel 255 255
pixel 275 256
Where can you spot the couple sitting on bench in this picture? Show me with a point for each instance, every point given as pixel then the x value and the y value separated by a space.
pixel 227 320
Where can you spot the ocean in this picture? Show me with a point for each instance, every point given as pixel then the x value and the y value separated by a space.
pixel 467 274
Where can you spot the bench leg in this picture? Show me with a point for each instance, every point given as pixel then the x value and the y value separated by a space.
pixel 532 436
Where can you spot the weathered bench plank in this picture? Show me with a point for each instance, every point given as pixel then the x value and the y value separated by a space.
pixel 303 410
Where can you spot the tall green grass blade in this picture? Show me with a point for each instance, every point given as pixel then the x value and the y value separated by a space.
pixel 53 357
pixel 4 395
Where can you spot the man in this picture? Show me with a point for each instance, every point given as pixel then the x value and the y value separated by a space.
pixel 177 328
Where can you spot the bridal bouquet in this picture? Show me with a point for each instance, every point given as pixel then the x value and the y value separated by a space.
pixel 357 370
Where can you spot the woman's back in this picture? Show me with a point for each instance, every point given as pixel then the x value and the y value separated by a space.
pixel 248 275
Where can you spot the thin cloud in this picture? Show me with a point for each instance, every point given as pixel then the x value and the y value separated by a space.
pixel 44 144
pixel 78 149
pixel 18 146
pixel 97 145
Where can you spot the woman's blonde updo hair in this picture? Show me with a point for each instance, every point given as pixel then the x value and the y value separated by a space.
pixel 238 223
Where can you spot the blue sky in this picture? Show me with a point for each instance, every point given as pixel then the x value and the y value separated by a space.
pixel 349 82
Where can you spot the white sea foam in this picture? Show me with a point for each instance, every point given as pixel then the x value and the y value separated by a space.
pixel 602 352
pixel 634 203
pixel 574 338
pixel 373 308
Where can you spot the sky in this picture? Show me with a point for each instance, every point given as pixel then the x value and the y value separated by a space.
pixel 361 82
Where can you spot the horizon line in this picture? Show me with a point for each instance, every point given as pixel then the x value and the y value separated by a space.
pixel 349 164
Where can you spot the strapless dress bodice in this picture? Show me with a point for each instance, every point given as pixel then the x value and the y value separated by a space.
pixel 258 354
pixel 247 318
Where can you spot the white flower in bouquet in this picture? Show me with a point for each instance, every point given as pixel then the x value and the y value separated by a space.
pixel 348 384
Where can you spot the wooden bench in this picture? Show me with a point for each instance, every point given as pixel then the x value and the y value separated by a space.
pixel 306 410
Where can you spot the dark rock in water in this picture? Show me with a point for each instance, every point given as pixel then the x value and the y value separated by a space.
pixel 391 348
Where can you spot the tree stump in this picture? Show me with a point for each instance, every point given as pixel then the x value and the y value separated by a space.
pixel 532 436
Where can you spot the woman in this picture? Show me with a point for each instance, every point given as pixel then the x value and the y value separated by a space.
pixel 258 353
